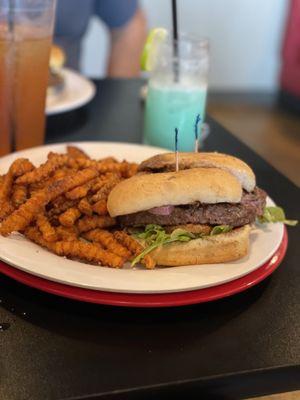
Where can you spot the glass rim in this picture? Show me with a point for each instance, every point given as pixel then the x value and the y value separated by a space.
pixel 187 49
pixel 187 38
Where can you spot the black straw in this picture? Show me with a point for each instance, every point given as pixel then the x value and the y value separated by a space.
pixel 175 39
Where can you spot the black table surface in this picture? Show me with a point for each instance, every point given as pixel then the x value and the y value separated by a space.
pixel 244 345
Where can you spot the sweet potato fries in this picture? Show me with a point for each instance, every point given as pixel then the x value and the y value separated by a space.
pixel 61 205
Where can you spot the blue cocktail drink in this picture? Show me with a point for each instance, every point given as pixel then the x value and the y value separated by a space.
pixel 170 107
pixel 175 101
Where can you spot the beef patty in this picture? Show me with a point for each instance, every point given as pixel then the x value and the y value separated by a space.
pixel 233 214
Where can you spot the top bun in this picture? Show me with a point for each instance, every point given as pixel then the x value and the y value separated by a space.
pixel 145 191
pixel 57 58
pixel 237 167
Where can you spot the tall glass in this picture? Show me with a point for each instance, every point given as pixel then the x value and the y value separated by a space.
pixel 177 93
pixel 26 28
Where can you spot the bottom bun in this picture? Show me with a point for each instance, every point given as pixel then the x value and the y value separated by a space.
pixel 208 250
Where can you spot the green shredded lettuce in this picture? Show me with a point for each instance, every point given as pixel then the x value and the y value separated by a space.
pixel 220 229
pixel 275 214
pixel 155 236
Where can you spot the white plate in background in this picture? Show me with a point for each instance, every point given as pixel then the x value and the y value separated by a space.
pixel 77 91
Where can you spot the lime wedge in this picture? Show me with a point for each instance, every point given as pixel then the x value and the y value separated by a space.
pixel 154 38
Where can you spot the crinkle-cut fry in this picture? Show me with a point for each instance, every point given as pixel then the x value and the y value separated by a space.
pixel 107 240
pixel 108 160
pixel 125 168
pixel 85 207
pixel 1 181
pixel 21 218
pixel 87 223
pixel 6 208
pixel 104 191
pixel 47 230
pixel 76 152
pixel 16 168
pixel 75 165
pixel 21 166
pixel 44 170
pixel 81 162
pixel 35 187
pixel 89 252
pixel 64 185
pixel 130 170
pixel 19 195
pixel 53 219
pixel 6 186
pixel 100 207
pixel 33 233
pixel 98 182
pixel 58 202
pixel 80 191
pixel 60 173
pixel 132 245
pixel 103 179
pixel 60 205
pixel 67 233
pixel 101 166
pixel 76 249
pixel 69 217
pixel 104 167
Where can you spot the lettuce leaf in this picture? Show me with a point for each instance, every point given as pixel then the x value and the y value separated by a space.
pixel 275 214
pixel 220 229
pixel 155 236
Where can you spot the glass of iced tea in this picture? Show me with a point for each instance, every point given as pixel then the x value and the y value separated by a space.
pixel 26 28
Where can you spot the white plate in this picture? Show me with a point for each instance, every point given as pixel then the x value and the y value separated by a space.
pixel 77 91
pixel 22 254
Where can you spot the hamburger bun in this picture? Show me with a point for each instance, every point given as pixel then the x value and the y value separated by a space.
pixel 56 79
pixel 57 58
pixel 237 167
pixel 207 250
pixel 145 191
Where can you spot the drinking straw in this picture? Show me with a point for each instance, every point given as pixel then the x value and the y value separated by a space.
pixel 175 40
pixel 198 119
pixel 176 151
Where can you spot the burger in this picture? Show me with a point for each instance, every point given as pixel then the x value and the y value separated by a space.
pixel 56 63
pixel 200 214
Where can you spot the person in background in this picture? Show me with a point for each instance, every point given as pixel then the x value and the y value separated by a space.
pixel 126 24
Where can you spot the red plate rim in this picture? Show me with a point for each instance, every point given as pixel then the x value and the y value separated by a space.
pixel 151 300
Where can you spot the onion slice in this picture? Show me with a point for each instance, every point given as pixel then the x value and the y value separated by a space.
pixel 163 210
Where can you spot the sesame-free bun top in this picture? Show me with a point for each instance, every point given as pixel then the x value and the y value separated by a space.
pixel 237 167
pixel 145 191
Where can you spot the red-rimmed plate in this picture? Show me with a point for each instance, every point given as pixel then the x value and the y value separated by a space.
pixel 152 300
pixel 32 259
